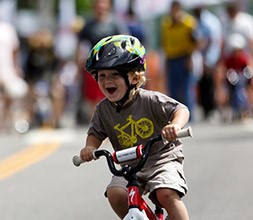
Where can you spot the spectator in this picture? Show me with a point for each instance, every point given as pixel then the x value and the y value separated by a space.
pixel 133 23
pixel 239 22
pixel 12 86
pixel 178 44
pixel 235 64
pixel 39 69
pixel 65 83
pixel 101 24
pixel 210 37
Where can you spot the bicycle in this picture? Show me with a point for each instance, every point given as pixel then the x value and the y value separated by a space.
pixel 138 208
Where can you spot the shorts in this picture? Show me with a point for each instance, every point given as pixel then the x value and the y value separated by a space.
pixel 168 175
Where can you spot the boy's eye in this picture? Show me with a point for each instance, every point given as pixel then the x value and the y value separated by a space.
pixel 112 76
pixel 101 76
pixel 115 74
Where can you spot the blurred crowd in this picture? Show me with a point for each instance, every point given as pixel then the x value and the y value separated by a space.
pixel 203 60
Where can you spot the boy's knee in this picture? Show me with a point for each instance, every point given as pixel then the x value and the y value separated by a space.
pixel 166 195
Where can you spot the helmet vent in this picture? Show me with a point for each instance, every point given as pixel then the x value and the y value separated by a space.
pixel 111 51
pixel 132 41
pixel 123 44
pixel 99 54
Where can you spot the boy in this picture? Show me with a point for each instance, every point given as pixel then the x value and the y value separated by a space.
pixel 118 64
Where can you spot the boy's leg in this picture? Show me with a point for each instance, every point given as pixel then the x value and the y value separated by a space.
pixel 170 200
pixel 117 197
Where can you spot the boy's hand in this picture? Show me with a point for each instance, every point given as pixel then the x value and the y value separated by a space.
pixel 169 132
pixel 86 153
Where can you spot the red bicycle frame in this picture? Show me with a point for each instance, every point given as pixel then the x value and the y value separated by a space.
pixel 136 200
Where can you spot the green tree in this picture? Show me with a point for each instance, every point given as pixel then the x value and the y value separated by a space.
pixel 83 6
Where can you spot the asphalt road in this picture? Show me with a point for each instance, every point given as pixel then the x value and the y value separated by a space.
pixel 39 182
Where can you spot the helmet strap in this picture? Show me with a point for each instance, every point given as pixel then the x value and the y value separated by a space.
pixel 122 101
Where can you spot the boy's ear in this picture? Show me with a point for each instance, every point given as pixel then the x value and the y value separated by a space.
pixel 135 79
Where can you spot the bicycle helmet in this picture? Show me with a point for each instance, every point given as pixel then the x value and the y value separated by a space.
pixel 123 53
pixel 120 52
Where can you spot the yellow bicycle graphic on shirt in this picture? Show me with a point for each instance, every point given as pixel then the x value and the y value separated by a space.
pixel 143 127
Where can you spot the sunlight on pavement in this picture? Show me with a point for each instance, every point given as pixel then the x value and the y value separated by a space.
pixel 40 144
pixel 25 158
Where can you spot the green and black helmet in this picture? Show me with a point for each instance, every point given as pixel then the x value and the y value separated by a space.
pixel 121 52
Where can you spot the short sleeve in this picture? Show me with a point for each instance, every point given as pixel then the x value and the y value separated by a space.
pixel 96 126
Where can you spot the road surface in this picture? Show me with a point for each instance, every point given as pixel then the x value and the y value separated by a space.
pixel 39 182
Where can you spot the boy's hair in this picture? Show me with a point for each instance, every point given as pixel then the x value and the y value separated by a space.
pixel 141 76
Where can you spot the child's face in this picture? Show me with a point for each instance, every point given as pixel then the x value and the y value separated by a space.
pixel 112 84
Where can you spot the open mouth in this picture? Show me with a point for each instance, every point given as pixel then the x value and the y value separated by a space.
pixel 111 90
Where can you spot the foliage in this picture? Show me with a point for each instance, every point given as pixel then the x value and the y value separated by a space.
pixel 83 6
pixel 27 4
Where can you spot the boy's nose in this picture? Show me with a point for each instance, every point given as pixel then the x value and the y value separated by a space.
pixel 109 77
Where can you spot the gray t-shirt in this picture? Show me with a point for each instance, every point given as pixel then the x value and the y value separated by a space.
pixel 137 122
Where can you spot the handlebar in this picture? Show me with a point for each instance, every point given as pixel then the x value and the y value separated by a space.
pixel 140 151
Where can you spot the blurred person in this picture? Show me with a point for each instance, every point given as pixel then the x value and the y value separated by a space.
pixel 39 69
pixel 221 96
pixel 12 86
pixel 238 73
pixel 65 86
pixel 210 37
pixel 102 24
pixel 133 23
pixel 65 93
pixel 178 43
pixel 239 22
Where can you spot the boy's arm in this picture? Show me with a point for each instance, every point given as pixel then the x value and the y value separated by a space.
pixel 180 119
pixel 92 143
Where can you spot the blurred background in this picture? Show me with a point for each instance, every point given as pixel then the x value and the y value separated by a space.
pixel 47 85
pixel 47 99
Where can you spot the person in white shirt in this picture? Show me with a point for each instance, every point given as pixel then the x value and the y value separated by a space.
pixel 12 85
pixel 240 22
